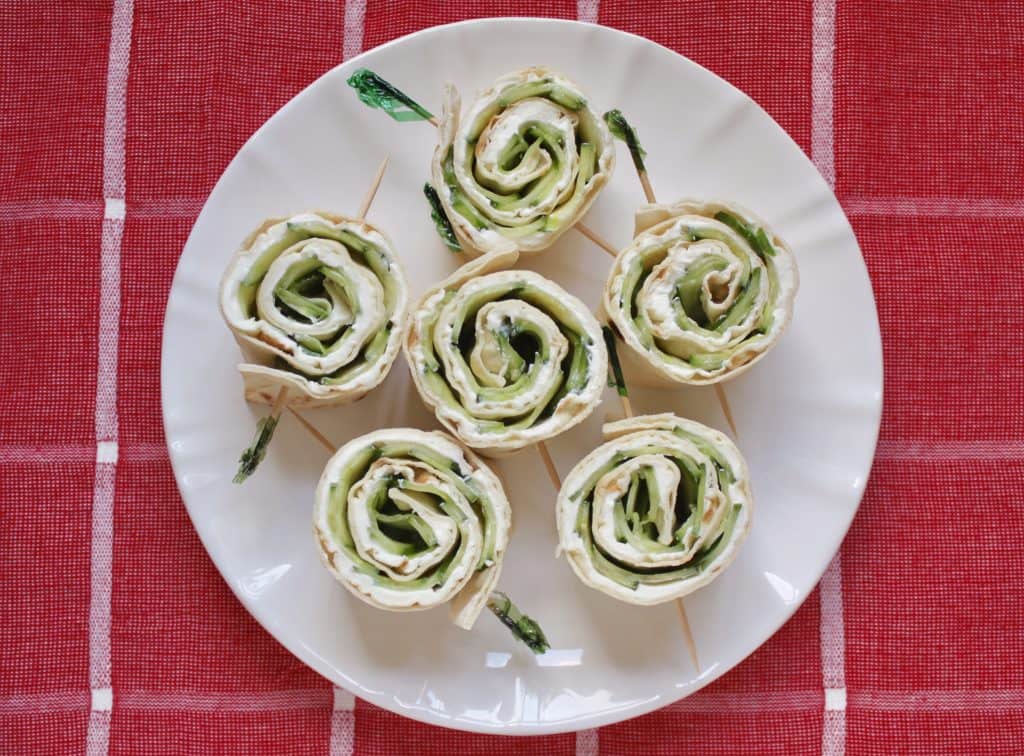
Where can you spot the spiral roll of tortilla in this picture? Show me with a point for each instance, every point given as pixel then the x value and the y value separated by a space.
pixel 704 290
pixel 522 164
pixel 505 358
pixel 657 511
pixel 317 303
pixel 408 520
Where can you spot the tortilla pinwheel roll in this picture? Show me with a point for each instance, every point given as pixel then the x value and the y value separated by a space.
pixel 505 358
pixel 657 511
pixel 408 520
pixel 317 303
pixel 522 164
pixel 704 290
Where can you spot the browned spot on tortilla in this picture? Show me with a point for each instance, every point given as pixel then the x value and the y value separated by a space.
pixel 327 552
pixel 267 339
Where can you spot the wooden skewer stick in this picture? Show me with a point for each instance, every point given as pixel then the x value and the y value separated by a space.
pixel 598 240
pixel 691 645
pixel 645 183
pixel 723 401
pixel 324 442
pixel 549 465
pixel 364 208
pixel 255 453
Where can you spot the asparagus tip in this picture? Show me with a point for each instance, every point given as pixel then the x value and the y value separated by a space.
pixel 257 450
pixel 523 627
pixel 621 129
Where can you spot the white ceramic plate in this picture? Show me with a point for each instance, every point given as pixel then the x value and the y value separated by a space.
pixel 808 413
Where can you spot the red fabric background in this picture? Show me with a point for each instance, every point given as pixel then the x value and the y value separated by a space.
pixel 928 132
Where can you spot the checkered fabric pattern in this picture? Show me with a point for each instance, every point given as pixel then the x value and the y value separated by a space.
pixel 116 632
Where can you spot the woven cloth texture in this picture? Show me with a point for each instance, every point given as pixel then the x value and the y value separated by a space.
pixel 117 634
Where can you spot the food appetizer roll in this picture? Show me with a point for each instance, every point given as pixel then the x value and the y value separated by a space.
pixel 409 520
pixel 704 290
pixel 657 511
pixel 505 358
pixel 522 164
pixel 317 303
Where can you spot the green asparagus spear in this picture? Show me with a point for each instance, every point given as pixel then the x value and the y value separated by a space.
pixel 621 129
pixel 441 222
pixel 615 378
pixel 523 627
pixel 256 451
pixel 378 93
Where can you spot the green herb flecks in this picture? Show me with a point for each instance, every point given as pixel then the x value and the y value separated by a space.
pixel 615 378
pixel 440 218
pixel 256 451
pixel 621 129
pixel 522 627
pixel 378 93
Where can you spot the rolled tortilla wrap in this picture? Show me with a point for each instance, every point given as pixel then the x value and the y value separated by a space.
pixel 317 303
pixel 407 520
pixel 523 163
pixel 505 358
pixel 657 511
pixel 704 290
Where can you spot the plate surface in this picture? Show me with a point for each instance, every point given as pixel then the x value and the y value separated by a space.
pixel 808 414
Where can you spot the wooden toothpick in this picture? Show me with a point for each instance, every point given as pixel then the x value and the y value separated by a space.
pixel 255 453
pixel 549 465
pixel 627 410
pixel 621 129
pixel 597 239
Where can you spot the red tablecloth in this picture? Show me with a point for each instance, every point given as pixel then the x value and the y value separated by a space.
pixel 116 632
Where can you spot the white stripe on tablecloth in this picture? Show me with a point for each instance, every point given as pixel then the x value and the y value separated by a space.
pixel 343 726
pixel 709 702
pixel 37 703
pixel 98 734
pixel 355 13
pixel 957 207
pixel 833 635
pixel 104 451
pixel 65 208
pixel 343 723
pixel 273 700
pixel 823 35
pixel 940 700
pixel 340 701
pixel 189 207
pixel 587 743
pixel 61 208
pixel 833 658
pixel 1005 449
pixel 587 10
